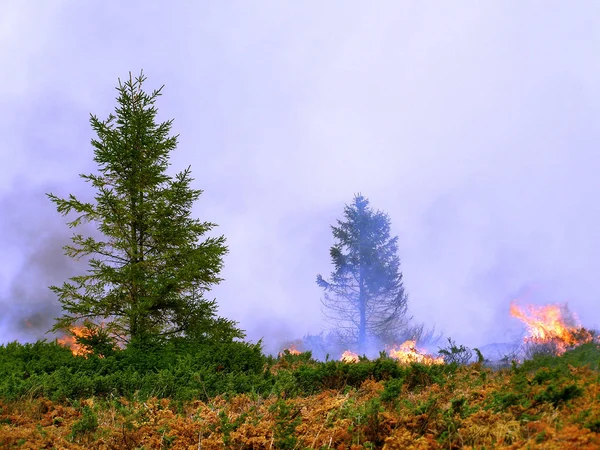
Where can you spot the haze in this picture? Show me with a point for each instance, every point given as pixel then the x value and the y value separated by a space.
pixel 474 125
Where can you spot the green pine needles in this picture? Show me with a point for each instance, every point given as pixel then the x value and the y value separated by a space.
pixel 149 268
pixel 364 299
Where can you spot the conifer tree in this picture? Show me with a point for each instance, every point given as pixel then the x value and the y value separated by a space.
pixel 148 269
pixel 364 300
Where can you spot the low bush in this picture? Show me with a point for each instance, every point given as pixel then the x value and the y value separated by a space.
pixel 183 370
pixel 456 354
pixel 180 370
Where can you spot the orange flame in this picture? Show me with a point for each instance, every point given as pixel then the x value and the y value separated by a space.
pixel 69 341
pixel 349 357
pixel 551 324
pixel 407 353
pixel 292 350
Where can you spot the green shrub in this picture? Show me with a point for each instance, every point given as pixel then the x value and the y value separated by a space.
pixel 543 375
pixel 87 424
pixel 391 390
pixel 584 355
pixel 502 400
pixel 556 395
pixel 177 369
pixel 287 418
pixel 453 353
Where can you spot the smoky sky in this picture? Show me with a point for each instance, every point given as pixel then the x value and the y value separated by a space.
pixel 473 125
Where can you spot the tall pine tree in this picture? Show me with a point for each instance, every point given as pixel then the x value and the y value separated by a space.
pixel 148 268
pixel 364 300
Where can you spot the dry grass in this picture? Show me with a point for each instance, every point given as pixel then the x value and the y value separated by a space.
pixel 462 414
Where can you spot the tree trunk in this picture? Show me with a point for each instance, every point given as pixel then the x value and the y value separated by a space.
pixel 362 325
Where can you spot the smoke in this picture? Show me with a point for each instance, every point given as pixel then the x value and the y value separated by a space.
pixel 473 127
pixel 33 237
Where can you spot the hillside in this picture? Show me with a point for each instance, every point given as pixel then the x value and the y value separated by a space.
pixel 211 401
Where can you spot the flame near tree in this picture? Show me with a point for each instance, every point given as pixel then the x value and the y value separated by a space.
pixel 552 325
pixel 70 341
pixel 407 353
pixel 96 339
pixel 349 357
pixel 292 350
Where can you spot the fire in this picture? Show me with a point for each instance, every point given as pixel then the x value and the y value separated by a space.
pixel 349 357
pixel 551 324
pixel 407 353
pixel 69 341
pixel 292 350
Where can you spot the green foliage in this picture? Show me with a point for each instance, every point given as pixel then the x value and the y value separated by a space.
pixel 553 372
pixel 182 370
pixel 166 440
pixel 87 424
pixel 364 297
pixel 428 407
pixel 185 370
pixel 365 421
pixel 451 419
pixel 517 393
pixel 544 375
pixel 178 369
pixel 150 270
pixel 456 354
pixel 590 419
pixel 584 355
pixel 421 375
pixel 226 426
pixel 287 418
pixel 391 390
pixel 285 384
pixel 337 375
pixel 357 404
pixel 371 413
pixel 556 395
pixel 458 406
pixel 480 358
pixel 502 400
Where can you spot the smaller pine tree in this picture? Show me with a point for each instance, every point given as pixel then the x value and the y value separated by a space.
pixel 364 299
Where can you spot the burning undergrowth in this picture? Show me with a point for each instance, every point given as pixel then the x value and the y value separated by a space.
pixel 405 353
pixel 408 347
pixel 349 357
pixel 71 341
pixel 89 338
pixel 551 328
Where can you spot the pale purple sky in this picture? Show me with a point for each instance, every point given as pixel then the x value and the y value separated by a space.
pixel 474 125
